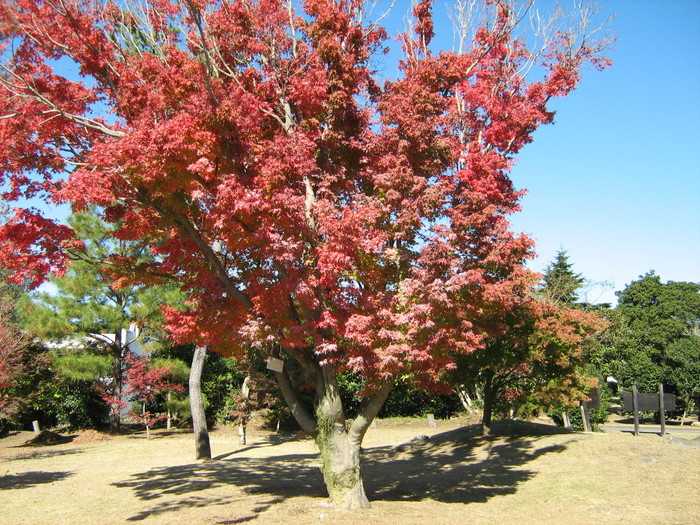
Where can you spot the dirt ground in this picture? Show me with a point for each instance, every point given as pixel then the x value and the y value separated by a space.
pixel 527 473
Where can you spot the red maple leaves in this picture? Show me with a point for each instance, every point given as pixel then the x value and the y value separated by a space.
pixel 295 199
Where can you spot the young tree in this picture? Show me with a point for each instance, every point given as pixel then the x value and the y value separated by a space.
pixel 145 384
pixel 536 358
pixel 357 226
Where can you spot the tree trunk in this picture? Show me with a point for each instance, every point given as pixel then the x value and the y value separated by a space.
pixel 464 397
pixel 199 421
pixel 488 404
pixel 170 415
pixel 117 377
pixel 340 464
pixel 566 419
pixel 339 445
pixel 245 393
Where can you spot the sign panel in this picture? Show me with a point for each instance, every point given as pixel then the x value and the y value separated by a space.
pixel 274 364
pixel 648 402
pixel 593 400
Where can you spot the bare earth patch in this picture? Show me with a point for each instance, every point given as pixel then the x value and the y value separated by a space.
pixel 526 474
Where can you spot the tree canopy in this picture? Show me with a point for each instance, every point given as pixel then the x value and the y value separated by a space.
pixel 305 206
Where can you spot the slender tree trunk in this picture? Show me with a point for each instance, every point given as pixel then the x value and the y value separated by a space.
pixel 170 415
pixel 117 377
pixel 245 393
pixel 464 397
pixel 567 419
pixel 488 404
pixel 199 421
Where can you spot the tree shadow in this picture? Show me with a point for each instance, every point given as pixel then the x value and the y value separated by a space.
pixel 42 454
pixel 277 476
pixel 452 467
pixel 27 480
pixel 272 439
pixel 458 466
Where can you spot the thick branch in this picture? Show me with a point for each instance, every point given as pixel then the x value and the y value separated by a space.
pixel 369 408
pixel 299 411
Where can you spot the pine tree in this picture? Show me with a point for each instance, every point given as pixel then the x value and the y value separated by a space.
pixel 560 283
pixel 94 319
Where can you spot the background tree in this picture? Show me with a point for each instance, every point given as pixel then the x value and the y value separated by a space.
pixel 661 334
pixel 359 227
pixel 683 366
pixel 145 384
pixel 535 362
pixel 97 318
pixel 560 284
pixel 13 345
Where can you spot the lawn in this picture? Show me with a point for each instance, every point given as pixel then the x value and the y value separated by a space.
pixel 527 473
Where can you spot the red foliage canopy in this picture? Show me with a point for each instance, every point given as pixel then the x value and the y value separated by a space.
pixel 359 226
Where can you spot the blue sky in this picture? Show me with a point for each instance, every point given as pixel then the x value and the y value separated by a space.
pixel 615 181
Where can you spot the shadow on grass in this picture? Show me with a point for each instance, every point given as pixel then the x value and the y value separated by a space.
pixel 27 480
pixel 458 466
pixel 41 453
pixel 452 467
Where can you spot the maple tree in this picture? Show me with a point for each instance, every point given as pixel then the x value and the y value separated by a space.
pixel 535 354
pixel 12 342
pixel 144 384
pixel 357 226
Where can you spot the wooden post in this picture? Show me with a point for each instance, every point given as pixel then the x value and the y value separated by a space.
pixel 586 418
pixel 431 421
pixel 662 411
pixel 635 408
pixel 35 426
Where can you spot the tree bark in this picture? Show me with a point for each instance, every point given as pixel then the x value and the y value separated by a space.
pixel 340 452
pixel 464 397
pixel 117 377
pixel 339 445
pixel 245 393
pixel 340 464
pixel 199 421
pixel 488 404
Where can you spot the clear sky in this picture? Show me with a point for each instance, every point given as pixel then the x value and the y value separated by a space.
pixel 616 180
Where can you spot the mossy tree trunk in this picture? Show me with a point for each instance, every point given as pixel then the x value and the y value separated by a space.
pixel 338 440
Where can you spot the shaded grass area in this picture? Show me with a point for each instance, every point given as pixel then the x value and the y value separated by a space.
pixel 456 466
pixel 523 469
pixel 31 479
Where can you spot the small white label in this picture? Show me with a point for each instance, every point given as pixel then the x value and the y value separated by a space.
pixel 274 364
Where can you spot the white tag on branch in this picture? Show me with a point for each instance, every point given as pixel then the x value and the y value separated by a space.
pixel 274 364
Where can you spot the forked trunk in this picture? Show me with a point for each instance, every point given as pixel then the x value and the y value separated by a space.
pixel 338 442
pixel 340 465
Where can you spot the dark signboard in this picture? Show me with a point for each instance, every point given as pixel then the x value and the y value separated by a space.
pixel 593 400
pixel 648 402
